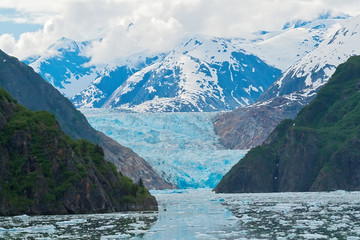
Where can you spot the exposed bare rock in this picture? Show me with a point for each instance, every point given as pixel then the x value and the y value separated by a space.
pixel 247 127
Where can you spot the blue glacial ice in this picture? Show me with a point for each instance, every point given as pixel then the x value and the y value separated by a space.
pixel 181 147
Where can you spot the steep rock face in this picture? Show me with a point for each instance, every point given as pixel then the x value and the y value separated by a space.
pixel 249 126
pixel 318 151
pixel 43 171
pixel 203 74
pixel 36 94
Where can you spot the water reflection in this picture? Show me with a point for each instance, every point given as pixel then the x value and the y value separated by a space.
pixel 192 214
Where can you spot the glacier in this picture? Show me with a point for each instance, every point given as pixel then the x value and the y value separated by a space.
pixel 181 147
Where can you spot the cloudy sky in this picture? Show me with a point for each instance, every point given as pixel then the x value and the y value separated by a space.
pixel 28 27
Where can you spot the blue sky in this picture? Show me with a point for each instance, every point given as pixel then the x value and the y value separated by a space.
pixel 9 23
pixel 18 28
pixel 28 27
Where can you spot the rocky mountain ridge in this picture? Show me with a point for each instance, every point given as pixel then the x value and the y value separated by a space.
pixel 249 126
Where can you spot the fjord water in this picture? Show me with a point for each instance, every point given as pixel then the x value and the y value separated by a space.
pixel 202 214
pixel 181 147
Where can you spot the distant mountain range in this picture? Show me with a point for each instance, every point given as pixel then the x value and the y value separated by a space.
pixel 202 74
pixel 109 78
pixel 63 65
pixel 193 77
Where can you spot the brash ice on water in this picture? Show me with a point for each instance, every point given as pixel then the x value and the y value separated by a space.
pixel 202 214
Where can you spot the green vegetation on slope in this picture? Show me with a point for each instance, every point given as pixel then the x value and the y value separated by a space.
pixel 318 151
pixel 44 171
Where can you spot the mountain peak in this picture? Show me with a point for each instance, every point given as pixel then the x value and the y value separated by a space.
pixel 313 70
pixel 317 22
pixel 64 45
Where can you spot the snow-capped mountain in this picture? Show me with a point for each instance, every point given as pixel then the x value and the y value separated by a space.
pixel 203 74
pixel 296 39
pixel 110 78
pixel 62 65
pixel 312 71
pixel 65 65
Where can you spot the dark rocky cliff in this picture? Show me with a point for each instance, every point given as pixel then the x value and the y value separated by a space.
pixel 249 126
pixel 318 151
pixel 43 171
pixel 36 94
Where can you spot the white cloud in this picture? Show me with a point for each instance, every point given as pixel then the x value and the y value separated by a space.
pixel 7 42
pixel 156 25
